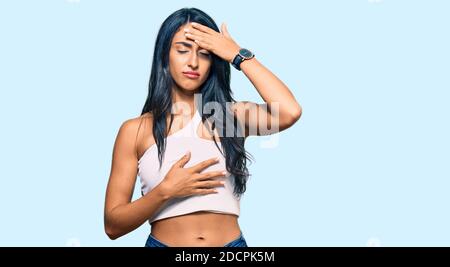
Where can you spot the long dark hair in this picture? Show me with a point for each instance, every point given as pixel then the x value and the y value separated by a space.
pixel 215 89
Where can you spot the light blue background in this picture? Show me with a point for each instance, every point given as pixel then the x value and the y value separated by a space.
pixel 367 163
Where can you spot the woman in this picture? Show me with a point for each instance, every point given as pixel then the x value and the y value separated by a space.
pixel 192 163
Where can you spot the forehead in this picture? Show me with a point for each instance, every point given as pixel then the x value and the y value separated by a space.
pixel 180 39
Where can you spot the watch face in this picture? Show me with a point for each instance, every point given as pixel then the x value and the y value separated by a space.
pixel 245 53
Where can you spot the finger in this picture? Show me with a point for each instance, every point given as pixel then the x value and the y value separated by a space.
pixel 195 37
pixel 181 162
pixel 209 184
pixel 202 28
pixel 205 191
pixel 203 44
pixel 200 41
pixel 204 164
pixel 195 32
pixel 225 30
pixel 210 175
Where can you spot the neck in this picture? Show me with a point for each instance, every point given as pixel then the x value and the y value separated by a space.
pixel 183 101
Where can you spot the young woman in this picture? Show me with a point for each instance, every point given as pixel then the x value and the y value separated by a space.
pixel 191 162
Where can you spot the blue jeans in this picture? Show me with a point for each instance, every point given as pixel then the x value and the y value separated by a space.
pixel 238 242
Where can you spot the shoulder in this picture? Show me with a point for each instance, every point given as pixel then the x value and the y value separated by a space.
pixel 133 125
pixel 241 110
pixel 235 106
pixel 242 107
pixel 132 130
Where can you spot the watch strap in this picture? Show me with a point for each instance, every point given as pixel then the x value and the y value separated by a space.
pixel 237 61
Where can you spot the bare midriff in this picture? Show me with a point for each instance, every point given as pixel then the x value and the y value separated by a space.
pixel 198 229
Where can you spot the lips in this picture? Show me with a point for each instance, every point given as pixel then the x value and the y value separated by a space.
pixel 191 74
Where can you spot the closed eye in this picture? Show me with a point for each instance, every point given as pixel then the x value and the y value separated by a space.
pixel 182 52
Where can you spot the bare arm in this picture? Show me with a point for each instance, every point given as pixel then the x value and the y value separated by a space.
pixel 122 216
pixel 280 105
pixel 279 108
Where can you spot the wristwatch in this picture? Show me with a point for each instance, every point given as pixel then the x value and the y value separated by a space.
pixel 243 54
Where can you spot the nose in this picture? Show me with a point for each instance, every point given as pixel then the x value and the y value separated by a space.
pixel 193 60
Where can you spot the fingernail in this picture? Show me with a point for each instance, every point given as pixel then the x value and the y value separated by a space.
pixel 222 182
pixel 217 159
pixel 224 172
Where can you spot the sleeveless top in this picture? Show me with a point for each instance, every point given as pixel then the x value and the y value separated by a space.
pixel 177 144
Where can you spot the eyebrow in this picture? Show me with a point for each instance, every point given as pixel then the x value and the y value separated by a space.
pixel 184 43
pixel 187 44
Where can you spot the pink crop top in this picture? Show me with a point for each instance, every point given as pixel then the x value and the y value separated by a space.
pixel 177 145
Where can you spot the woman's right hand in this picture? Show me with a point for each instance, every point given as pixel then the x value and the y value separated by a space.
pixel 182 182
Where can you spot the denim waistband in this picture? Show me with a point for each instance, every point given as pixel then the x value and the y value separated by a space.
pixel 154 242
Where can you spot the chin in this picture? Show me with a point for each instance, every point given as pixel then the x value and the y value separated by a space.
pixel 190 86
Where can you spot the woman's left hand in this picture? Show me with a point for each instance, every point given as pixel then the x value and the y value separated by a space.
pixel 220 44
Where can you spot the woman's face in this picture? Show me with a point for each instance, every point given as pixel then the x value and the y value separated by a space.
pixel 186 56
